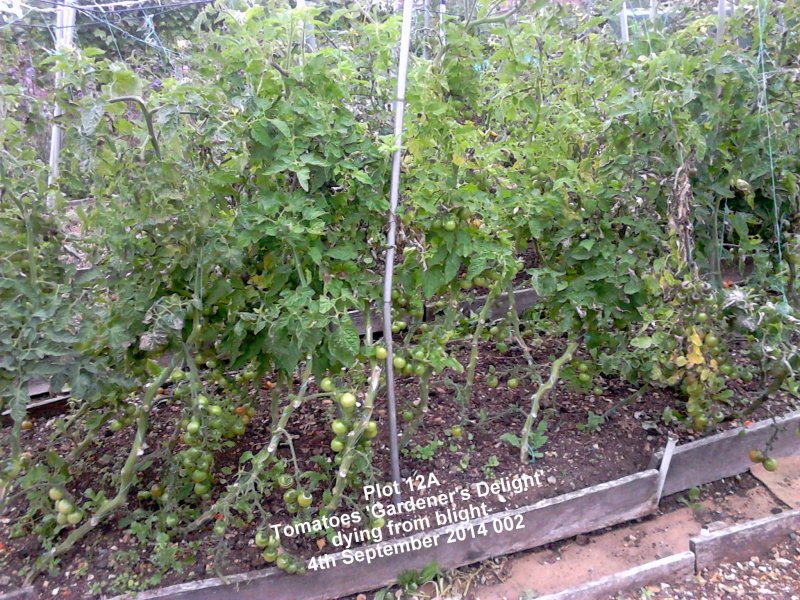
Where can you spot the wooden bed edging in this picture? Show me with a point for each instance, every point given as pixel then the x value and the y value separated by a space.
pixel 523 299
pixel 740 542
pixel 546 521
pixel 677 566
pixel 725 454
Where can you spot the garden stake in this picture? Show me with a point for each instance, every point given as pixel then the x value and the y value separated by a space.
pixel 664 468
pixel 399 107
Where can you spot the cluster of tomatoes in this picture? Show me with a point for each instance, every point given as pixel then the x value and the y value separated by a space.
pixel 294 498
pixel 343 425
pixel 66 511
pixel 273 553
pixel 493 381
pixel 757 456
pixel 210 421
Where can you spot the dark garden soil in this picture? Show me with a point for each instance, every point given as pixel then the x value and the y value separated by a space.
pixel 112 560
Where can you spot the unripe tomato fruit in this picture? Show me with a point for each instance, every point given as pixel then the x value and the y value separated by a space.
pixel 55 494
pixel 64 506
pixel 381 353
pixel 347 400
pixel 326 385
pixel 269 555
pixel 304 499
pixel 286 481
pixel 339 427
pixel 337 445
pixel 770 464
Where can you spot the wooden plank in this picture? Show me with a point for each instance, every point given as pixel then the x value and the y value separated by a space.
pixel 672 568
pixel 725 454
pixel 740 542
pixel 523 299
pixel 40 409
pixel 360 321
pixel 534 525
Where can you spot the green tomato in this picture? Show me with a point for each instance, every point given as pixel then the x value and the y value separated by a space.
pixel 74 517
pixel 371 430
pixel 584 378
pixel 269 555
pixel 408 415
pixel 337 445
pixel 456 431
pixel 219 529
pixel 290 496
pixel 381 353
pixel 492 382
pixel 770 464
pixel 449 225
pixel 199 476
pixel 193 427
pixel 513 383
pixel 326 385
pixel 347 400
pixel 201 489
pixel 64 506
pixel 304 499
pixel 339 427
pixel 399 362
pixel 55 494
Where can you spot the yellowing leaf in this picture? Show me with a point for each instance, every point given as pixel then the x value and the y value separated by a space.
pixel 695 357
pixel 695 339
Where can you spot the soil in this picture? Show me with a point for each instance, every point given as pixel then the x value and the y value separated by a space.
pixel 109 560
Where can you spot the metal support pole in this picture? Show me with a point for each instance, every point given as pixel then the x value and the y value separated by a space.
pixel 65 31
pixel 722 10
pixel 442 13
pixel 399 108
pixel 623 23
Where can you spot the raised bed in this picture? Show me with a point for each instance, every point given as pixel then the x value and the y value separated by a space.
pixel 677 566
pixel 534 525
pixel 740 542
pixel 735 543
pixel 547 521
pixel 725 454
